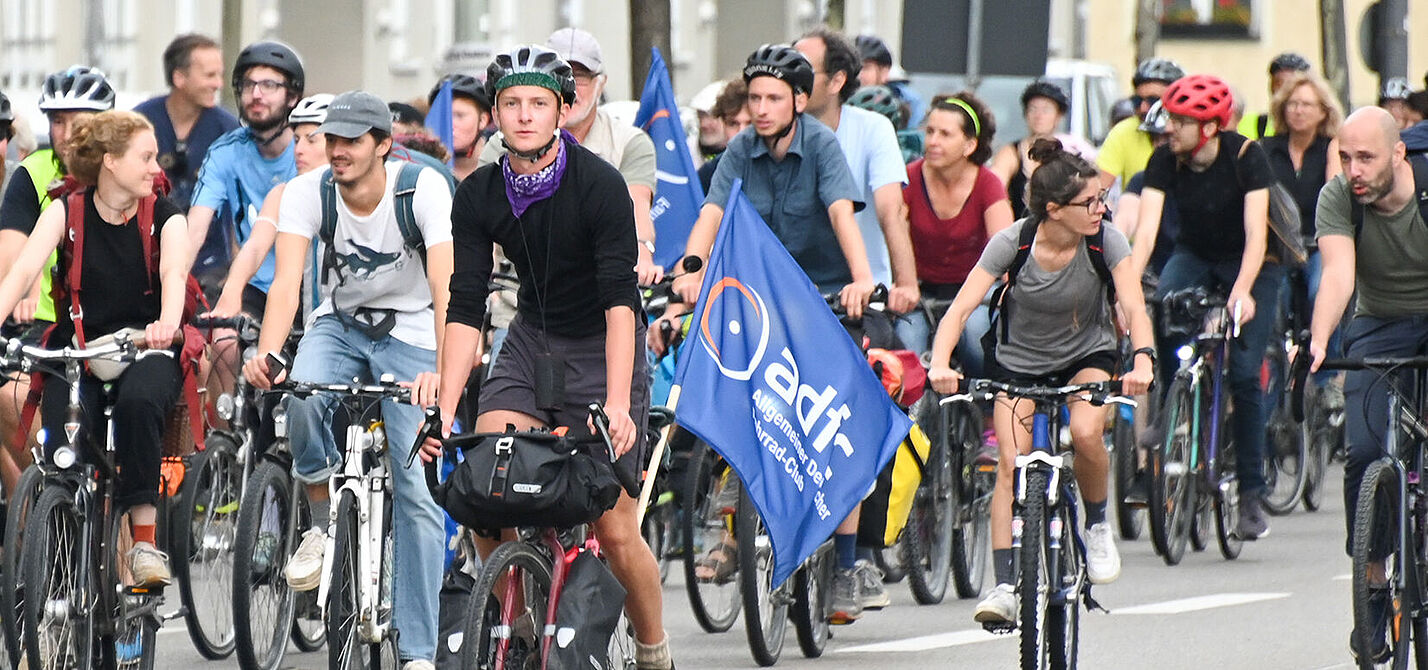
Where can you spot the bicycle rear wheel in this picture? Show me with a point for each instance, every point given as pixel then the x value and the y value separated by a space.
pixel 346 649
pixel 765 609
pixel 59 634
pixel 205 523
pixel 1227 493
pixel 134 642
pixel 969 503
pixel 1172 487
pixel 1033 582
pixel 711 496
pixel 521 569
pixel 1130 521
pixel 1323 437
pixel 1286 443
pixel 810 602
pixel 12 578
pixel 1375 541
pixel 927 539
pixel 262 543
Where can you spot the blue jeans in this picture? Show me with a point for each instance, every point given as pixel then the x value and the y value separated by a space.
pixel 1366 399
pixel 916 334
pixel 1186 270
pixel 330 352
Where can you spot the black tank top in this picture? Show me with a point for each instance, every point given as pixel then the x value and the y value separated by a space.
pixel 1016 188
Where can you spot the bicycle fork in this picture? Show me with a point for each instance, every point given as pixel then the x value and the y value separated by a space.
pixel 371 509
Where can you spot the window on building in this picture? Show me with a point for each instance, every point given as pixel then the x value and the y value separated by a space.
pixel 1208 18
pixel 27 43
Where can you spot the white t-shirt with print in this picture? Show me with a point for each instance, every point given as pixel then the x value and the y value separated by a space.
pixel 377 270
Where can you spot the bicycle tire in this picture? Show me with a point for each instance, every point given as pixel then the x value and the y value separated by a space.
pixel 1172 487
pixel 133 645
pixel 810 602
pixel 52 537
pixel 765 609
pixel 1033 583
pixel 1286 444
pixel 927 538
pixel 1130 520
pixel 309 631
pixel 262 601
pixel 532 569
pixel 1201 522
pixel 970 504
pixel 1226 491
pixel 344 648
pixel 12 596
pixel 204 524
pixel 1320 447
pixel 715 603
pixel 1375 538
pixel 1063 615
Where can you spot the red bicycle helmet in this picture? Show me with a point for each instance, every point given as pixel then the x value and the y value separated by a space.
pixel 1201 97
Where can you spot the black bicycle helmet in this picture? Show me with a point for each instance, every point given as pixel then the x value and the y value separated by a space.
pixel 530 59
pixel 874 49
pixel 275 55
pixel 1162 70
pixel 1288 61
pixel 466 86
pixel 880 99
pixel 7 114
pixel 79 88
pixel 1045 89
pixel 781 62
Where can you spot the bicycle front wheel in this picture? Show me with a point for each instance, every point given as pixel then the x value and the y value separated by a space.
pixel 927 540
pixel 1286 443
pixel 12 578
pixel 1129 519
pixel 1324 435
pixel 1227 494
pixel 205 522
pixel 711 495
pixel 518 569
pixel 1033 581
pixel 1172 494
pixel 1375 544
pixel 134 644
pixel 346 648
pixel 59 633
pixel 765 609
pixel 810 602
pixel 969 504
pixel 262 544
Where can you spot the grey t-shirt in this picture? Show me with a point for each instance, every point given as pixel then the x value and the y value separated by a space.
pixel 1392 253
pixel 1058 317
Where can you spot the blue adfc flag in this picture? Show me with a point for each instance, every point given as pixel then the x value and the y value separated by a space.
pixel 774 383
pixel 677 194
pixel 438 120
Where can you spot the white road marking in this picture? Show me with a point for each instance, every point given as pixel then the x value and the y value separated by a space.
pixel 1343 578
pixel 1200 603
pixel 927 642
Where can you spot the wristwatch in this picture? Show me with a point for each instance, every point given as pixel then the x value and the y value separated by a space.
pixel 1148 351
pixel 649 245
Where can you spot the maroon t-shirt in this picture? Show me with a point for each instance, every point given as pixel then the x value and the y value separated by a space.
pixel 947 249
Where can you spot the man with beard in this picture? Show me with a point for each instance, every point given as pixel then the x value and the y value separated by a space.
pixel 1371 212
pixel 628 148
pixel 244 164
pixel 187 121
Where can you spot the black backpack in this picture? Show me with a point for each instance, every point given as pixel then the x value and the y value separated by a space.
pixel 1420 184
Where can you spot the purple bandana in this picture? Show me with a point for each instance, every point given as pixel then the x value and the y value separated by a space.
pixel 524 190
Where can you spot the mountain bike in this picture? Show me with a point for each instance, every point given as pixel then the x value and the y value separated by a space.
pixel 1390 531
pixel 1193 468
pixel 1050 557
pixel 81 609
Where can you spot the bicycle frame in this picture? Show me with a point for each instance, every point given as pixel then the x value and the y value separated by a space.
pixel 1208 355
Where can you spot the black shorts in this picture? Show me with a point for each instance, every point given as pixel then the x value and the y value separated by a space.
pixel 511 386
pixel 1106 359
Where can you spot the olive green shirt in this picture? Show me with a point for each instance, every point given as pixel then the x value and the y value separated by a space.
pixel 1391 251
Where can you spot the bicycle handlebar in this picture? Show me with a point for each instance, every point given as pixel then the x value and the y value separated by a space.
pixel 121 349
pixel 1379 363
pixel 1097 393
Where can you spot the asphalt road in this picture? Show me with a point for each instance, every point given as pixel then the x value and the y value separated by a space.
pixel 1284 604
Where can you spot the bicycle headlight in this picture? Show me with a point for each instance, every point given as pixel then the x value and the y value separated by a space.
pixel 280 420
pixel 1185 353
pixel 64 458
pixel 224 406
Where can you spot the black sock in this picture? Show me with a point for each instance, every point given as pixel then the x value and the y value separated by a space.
pixel 1095 513
pixel 1002 565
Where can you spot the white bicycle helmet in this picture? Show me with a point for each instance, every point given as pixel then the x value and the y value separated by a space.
pixel 312 109
pixel 534 65
pixel 79 88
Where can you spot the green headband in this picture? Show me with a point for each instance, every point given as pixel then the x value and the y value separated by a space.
pixel 528 78
pixel 976 123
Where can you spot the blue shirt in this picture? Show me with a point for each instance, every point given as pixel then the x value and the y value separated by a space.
pixel 793 195
pixel 212 123
pixel 875 159
pixel 235 178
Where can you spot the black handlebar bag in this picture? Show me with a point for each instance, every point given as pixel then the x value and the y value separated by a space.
pixel 528 478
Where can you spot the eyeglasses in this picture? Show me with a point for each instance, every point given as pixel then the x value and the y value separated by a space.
pixel 1092 204
pixel 1138 100
pixel 267 86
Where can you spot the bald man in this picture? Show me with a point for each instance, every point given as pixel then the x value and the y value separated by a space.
pixel 1371 211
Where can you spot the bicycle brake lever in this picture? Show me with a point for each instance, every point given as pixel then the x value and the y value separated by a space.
pixel 430 427
pixel 602 426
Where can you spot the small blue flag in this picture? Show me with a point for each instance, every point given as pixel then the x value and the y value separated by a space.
pixel 678 196
pixel 439 120
pixel 775 385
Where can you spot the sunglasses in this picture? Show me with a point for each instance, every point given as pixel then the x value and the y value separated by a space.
pixel 1138 100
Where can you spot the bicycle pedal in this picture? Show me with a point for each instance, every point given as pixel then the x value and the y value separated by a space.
pixel 144 591
pixel 999 627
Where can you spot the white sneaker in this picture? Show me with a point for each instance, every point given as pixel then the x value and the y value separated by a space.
pixel 998 607
pixel 1103 562
pixel 149 566
pixel 304 569
pixel 419 664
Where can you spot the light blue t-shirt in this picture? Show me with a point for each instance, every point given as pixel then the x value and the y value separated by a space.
pixel 236 178
pixel 869 143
